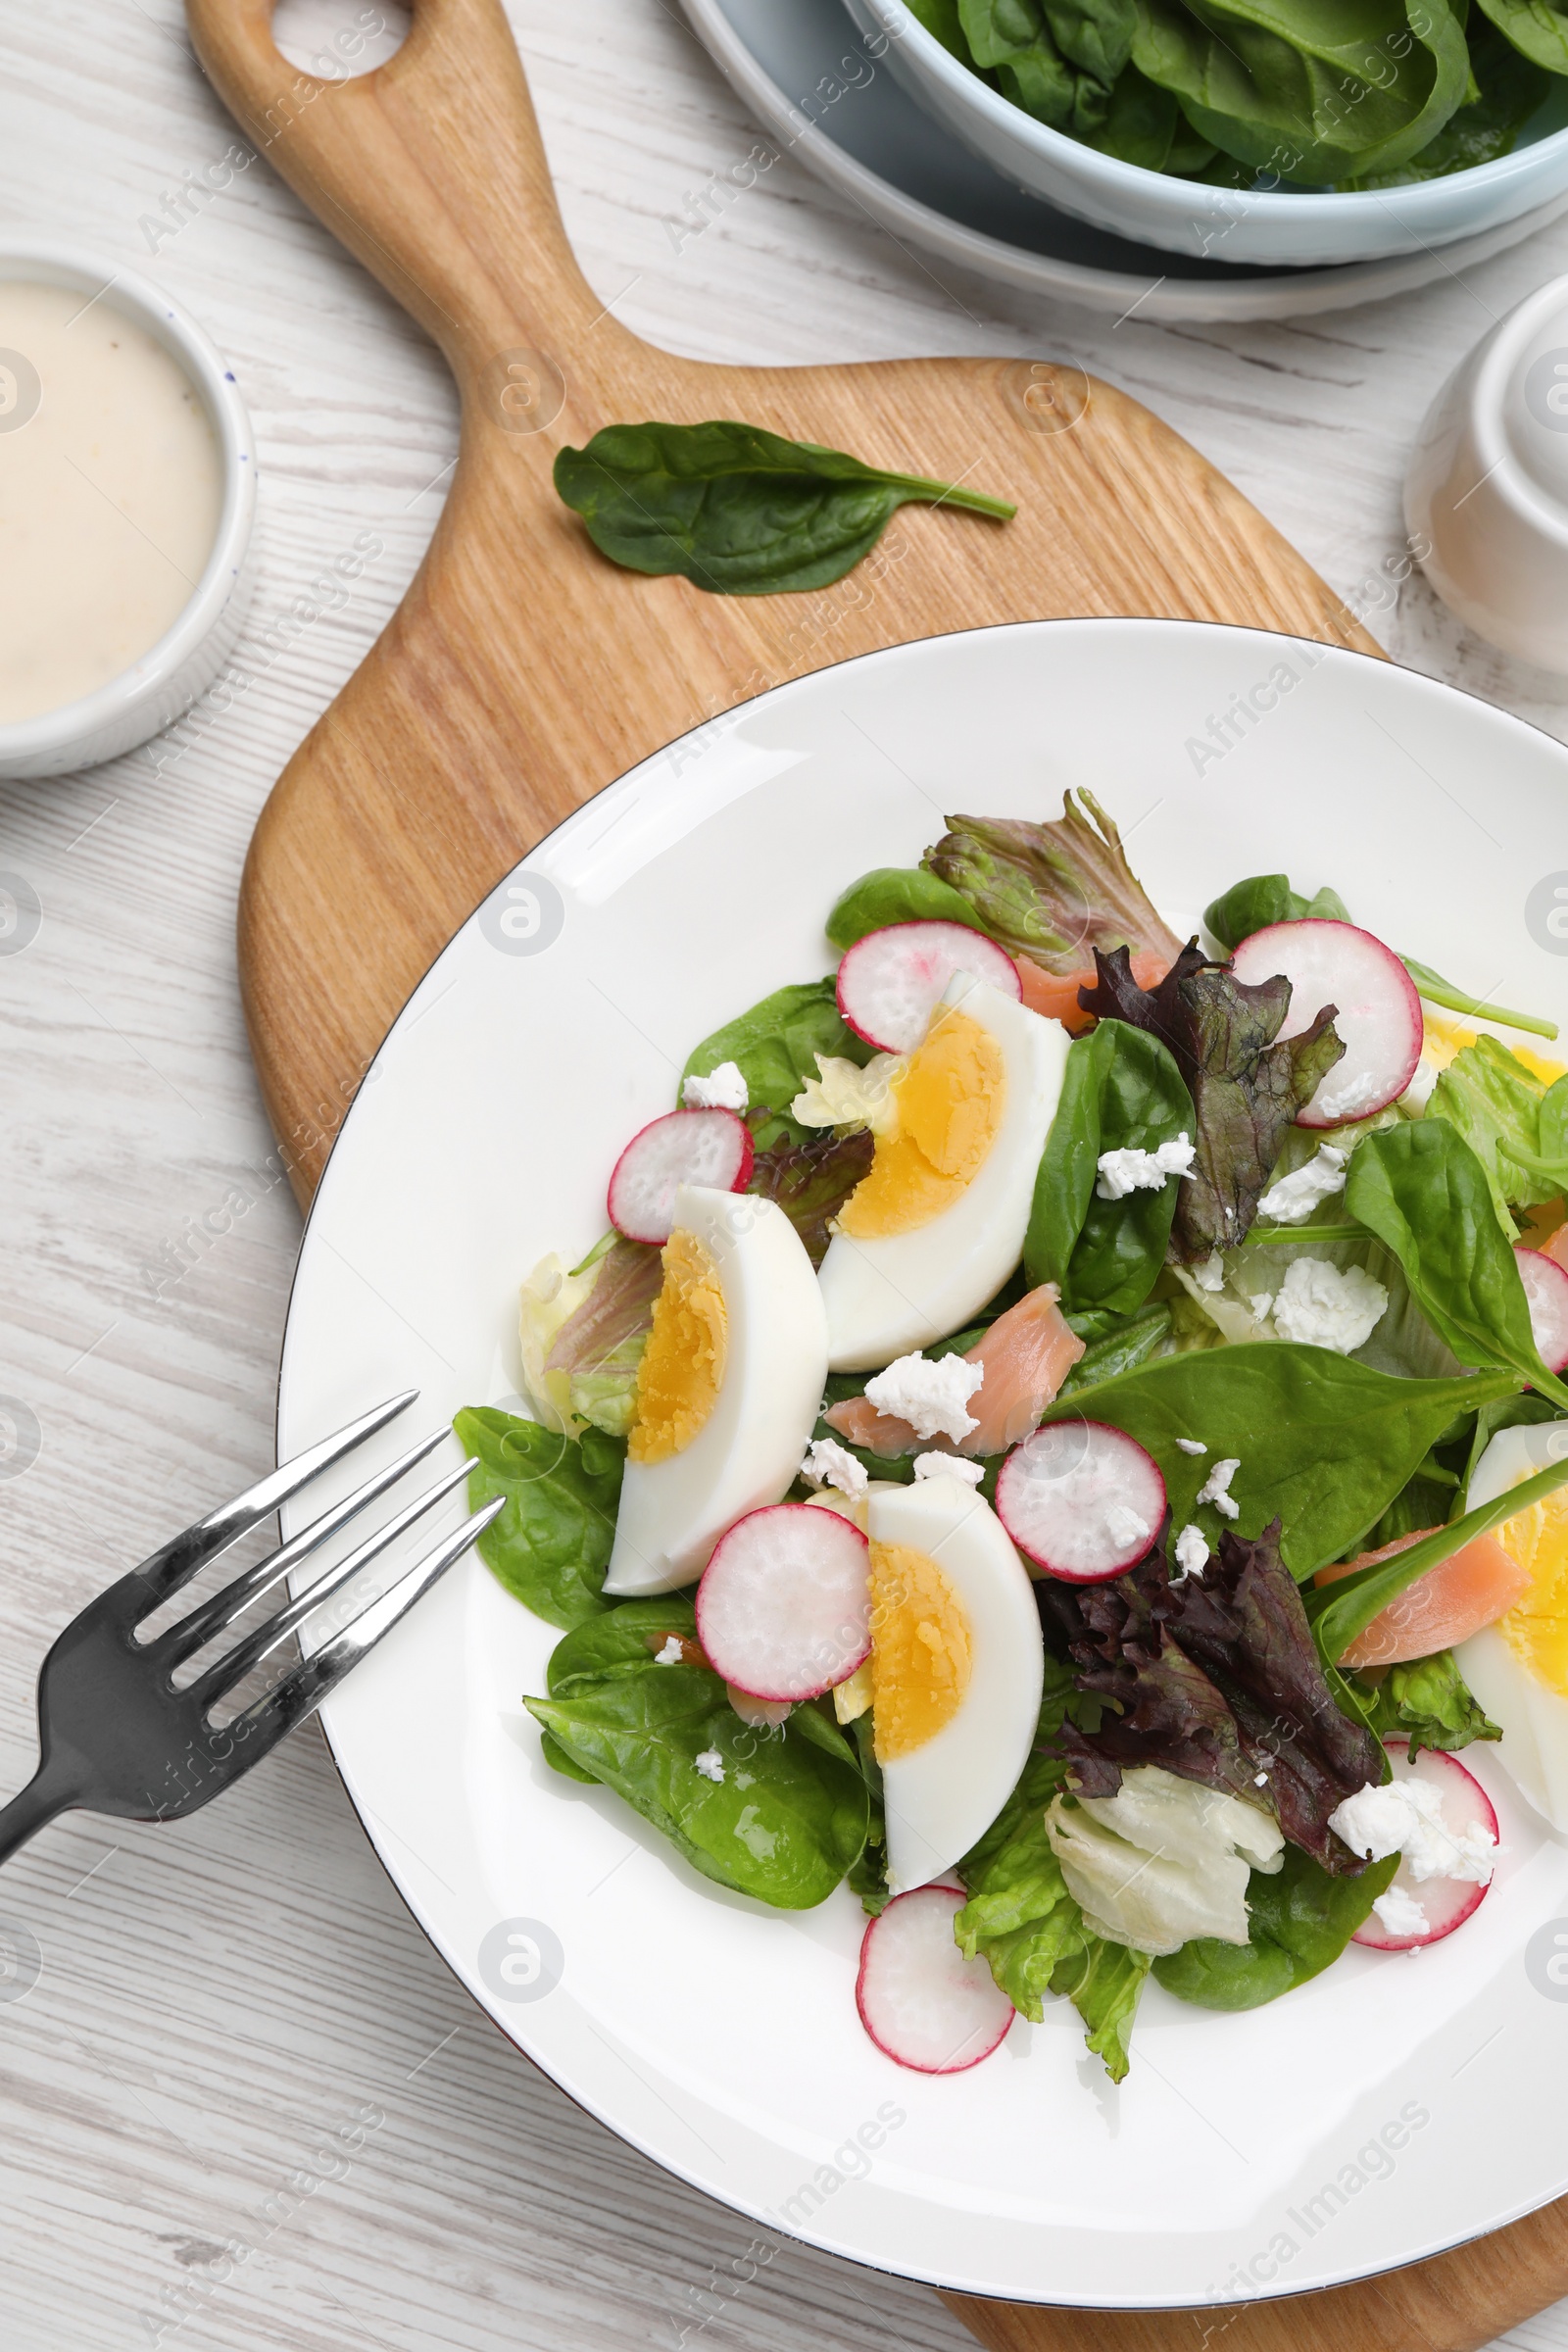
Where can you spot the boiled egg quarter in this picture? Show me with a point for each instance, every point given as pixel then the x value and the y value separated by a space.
pixel 1518 1667
pixel 936 1227
pixel 958 1667
pixel 727 1390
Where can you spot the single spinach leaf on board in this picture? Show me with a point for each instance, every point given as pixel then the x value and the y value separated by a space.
pixel 1535 28
pixel 1511 1122
pixel 1123 1347
pixel 1340 1610
pixel 1423 1192
pixel 1323 1441
pixel 776 1044
pixel 1308 89
pixel 1104 1983
pixel 1122 1092
pixel 550 1545
pixel 1052 891
pixel 1509 89
pixel 787 1821
pixel 737 510
pixel 1246 1084
pixel 1426 1702
pixel 1300 1920
pixel 896 894
pixel 1262 901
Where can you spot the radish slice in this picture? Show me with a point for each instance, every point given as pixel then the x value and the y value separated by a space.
pixel 1547 1289
pixel 920 2000
pixel 1084 1502
pixel 784 1607
pixel 1377 1011
pixel 685 1146
pixel 890 981
pixel 1445 1903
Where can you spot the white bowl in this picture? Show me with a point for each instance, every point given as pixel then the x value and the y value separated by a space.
pixel 155 690
pixel 1487 494
pixel 1274 228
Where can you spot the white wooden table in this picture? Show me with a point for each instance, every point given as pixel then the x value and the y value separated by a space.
pixel 217 2000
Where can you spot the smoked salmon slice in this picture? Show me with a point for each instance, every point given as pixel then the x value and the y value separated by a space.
pixel 1056 994
pixel 1453 1600
pixel 1026 1354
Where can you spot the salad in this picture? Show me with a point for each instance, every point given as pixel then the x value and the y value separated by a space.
pixel 1065 1435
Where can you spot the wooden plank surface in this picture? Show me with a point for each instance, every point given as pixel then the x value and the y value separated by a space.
pixel 209 1993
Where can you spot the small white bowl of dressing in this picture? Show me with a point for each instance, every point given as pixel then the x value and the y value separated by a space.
pixel 127 504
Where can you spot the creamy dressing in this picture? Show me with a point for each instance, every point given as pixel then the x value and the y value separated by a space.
pixel 111 488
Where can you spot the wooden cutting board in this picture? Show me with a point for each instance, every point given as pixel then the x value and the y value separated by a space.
pixel 523 672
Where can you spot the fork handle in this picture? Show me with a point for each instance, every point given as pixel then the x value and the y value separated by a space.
pixel 32 1809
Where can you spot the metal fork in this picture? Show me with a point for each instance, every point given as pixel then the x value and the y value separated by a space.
pixel 115 1735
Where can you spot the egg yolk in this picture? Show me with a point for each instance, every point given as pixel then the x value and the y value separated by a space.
pixel 922 1652
pixel 1444 1040
pixel 683 1363
pixel 948 1103
pixel 1535 1629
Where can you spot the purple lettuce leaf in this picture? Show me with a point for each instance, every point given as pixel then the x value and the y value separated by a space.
pixel 618 1308
pixel 812 1181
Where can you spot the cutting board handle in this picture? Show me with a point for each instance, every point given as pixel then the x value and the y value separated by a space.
pixel 429 168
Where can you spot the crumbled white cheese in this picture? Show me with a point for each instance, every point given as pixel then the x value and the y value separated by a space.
pixel 672 1653
pixel 1290 1199
pixel 827 1463
pixel 724 1089
pixel 1418 1093
pixel 1352 1099
pixel 844 1094
pixel 932 1396
pixel 1260 1779
pixel 1400 1913
pixel 1125 1528
pixel 1211 1275
pixel 711 1764
pixel 948 1465
pixel 1133 1171
pixel 1406 1817
pixel 1192 1445
pixel 1260 1305
pixel 1328 1306
pixel 1216 1488
pixel 1192 1552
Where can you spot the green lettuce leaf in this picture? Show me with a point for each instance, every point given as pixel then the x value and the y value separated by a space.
pixel 1122 1091
pixel 775 1045
pixel 1104 1983
pixel 1512 1123
pixel 1050 892
pixel 1246 1088
pixel 1300 1921
pixel 1426 1702
pixel 550 1546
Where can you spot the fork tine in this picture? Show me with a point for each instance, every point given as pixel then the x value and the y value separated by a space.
pixel 230 1671
pixel 189 1553
pixel 314 1678
pixel 191 1633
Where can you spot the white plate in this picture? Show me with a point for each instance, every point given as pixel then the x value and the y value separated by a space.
pixel 1393 2106
pixel 874 143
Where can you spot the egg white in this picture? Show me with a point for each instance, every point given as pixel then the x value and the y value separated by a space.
pixel 749 1449
pixel 1534 1719
pixel 942 1795
pixel 891 1293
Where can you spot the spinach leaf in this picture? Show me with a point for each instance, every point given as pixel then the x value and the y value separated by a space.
pixel 941 17
pixel 1104 1983
pixel 1426 1702
pixel 1262 901
pixel 1325 1441
pixel 1300 1920
pixel 1511 1122
pixel 1121 1348
pixel 621 1641
pixel 1056 59
pixel 737 510
pixel 1535 28
pixel 775 1045
pixel 1141 123
pixel 1422 1191
pixel 896 894
pixel 1122 1091
pixel 1347 1608
pixel 1308 90
pixel 550 1546
pixel 788 1819
pixel 1508 90
pixel 1052 891
pixel 1246 1084
pixel 1503 1412
pixel 812 1181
